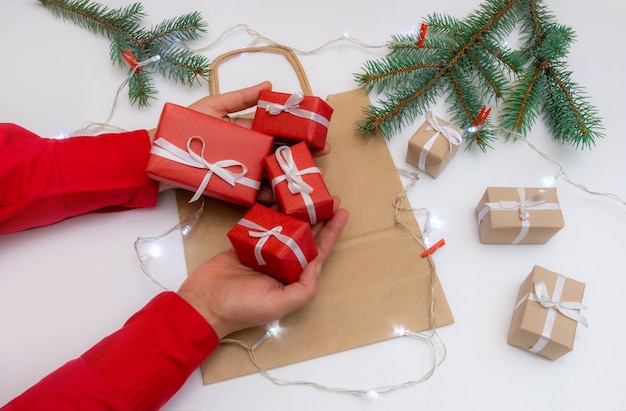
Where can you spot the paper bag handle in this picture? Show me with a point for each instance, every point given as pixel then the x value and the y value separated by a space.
pixel 287 53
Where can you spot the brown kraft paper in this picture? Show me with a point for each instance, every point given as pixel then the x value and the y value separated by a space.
pixel 375 278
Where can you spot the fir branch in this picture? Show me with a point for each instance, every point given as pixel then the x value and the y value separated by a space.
pixel 394 70
pixel 547 87
pixel 465 60
pixel 465 100
pixel 468 33
pixel 133 45
pixel 568 114
pixel 97 18
pixel 183 65
pixel 524 102
pixel 181 29
pixel 140 89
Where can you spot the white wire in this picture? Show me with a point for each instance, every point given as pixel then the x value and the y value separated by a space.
pixel 259 38
pixel 561 172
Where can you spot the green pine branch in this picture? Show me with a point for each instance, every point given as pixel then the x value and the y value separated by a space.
pixel 98 18
pixel 465 61
pixel 547 87
pixel 451 61
pixel 162 44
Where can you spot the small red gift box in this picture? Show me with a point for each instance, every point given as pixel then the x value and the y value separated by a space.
pixel 273 243
pixel 208 155
pixel 298 185
pixel 291 118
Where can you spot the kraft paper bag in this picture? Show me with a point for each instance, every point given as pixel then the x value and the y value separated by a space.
pixel 374 279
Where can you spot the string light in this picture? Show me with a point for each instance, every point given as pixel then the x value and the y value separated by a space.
pixel 148 248
pixel 560 171
pixel 94 127
pixel 259 38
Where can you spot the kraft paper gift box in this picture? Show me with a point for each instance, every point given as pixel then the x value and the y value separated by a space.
pixel 433 145
pixel 292 118
pixel 509 215
pixel 298 185
pixel 547 313
pixel 273 243
pixel 208 155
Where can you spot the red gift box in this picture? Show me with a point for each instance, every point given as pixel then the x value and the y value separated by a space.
pixel 208 155
pixel 292 118
pixel 273 243
pixel 298 185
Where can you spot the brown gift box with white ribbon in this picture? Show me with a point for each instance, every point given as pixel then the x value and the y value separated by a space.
pixel 433 145
pixel 547 313
pixel 509 215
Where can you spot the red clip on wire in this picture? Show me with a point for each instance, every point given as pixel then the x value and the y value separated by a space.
pixel 423 30
pixel 482 116
pixel 434 247
pixel 130 58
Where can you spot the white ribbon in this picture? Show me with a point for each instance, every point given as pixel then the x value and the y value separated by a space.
pixel 537 202
pixel 570 309
pixel 295 182
pixel 446 130
pixel 165 149
pixel 263 234
pixel 292 106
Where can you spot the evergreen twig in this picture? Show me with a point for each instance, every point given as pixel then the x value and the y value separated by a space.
pixel 465 60
pixel 122 27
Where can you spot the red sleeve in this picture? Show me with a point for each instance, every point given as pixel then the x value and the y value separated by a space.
pixel 139 367
pixel 43 181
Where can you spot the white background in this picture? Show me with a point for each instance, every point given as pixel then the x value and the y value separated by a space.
pixel 64 287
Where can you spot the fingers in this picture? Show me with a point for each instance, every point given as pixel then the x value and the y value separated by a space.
pixel 317 227
pixel 232 102
pixel 330 233
pixel 298 294
pixel 242 99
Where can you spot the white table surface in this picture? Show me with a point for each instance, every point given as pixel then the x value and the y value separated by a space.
pixel 64 287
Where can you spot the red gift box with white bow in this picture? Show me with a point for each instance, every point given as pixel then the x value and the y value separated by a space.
pixel 273 243
pixel 298 184
pixel 208 155
pixel 292 118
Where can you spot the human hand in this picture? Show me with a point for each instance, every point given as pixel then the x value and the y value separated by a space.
pixel 232 296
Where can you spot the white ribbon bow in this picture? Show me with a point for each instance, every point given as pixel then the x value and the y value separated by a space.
pixel 446 130
pixel 292 106
pixel 570 309
pixel 295 182
pixel 165 149
pixel 537 202
pixel 263 234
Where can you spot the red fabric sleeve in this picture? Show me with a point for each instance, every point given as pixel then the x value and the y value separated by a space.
pixel 139 367
pixel 43 181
